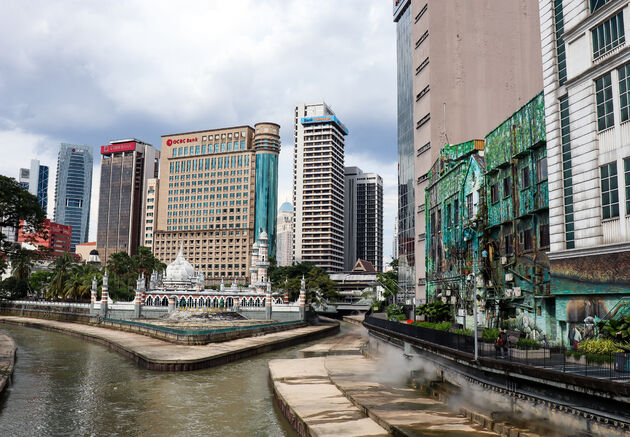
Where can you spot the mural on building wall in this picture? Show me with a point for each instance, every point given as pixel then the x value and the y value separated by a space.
pixel 606 273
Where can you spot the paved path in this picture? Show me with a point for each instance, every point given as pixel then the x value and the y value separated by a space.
pixel 7 359
pixel 337 391
pixel 161 355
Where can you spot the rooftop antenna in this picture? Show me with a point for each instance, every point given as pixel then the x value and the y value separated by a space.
pixel 444 114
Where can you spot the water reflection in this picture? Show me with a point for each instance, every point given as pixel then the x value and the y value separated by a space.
pixel 66 386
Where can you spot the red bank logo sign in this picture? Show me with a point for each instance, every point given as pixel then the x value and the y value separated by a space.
pixel 121 147
pixel 170 142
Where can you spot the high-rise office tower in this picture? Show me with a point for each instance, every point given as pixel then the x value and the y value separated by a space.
pixel 73 190
pixel 464 66
pixel 150 211
pixel 587 107
pixel 284 246
pixel 207 197
pixel 267 146
pixel 363 218
pixel 318 164
pixel 35 180
pixel 125 167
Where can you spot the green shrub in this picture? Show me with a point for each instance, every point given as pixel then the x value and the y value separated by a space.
pixel 527 344
pixel 599 346
pixel 442 326
pixel 437 311
pixel 463 332
pixel 489 335
pixel 393 311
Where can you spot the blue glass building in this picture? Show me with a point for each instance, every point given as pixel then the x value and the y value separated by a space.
pixel 73 190
pixel 267 146
pixel 35 180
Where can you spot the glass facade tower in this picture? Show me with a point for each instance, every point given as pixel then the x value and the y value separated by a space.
pixel 73 190
pixel 35 180
pixel 406 158
pixel 267 146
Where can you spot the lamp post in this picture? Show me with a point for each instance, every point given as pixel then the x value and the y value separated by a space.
pixel 471 280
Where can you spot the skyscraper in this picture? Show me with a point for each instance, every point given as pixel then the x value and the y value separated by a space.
pixel 150 211
pixel 35 180
pixel 208 197
pixel 284 246
pixel 267 146
pixel 73 190
pixel 125 167
pixel 363 218
pixel 318 165
pixel 454 57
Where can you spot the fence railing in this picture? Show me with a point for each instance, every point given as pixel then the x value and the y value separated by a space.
pixel 47 303
pixel 613 366
pixel 197 332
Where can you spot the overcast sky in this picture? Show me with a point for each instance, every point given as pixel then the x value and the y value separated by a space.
pixel 87 72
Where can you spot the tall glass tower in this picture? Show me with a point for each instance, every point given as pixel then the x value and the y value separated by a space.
pixel 35 180
pixel 267 146
pixel 73 190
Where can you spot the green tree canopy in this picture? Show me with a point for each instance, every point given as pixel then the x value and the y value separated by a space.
pixel 318 283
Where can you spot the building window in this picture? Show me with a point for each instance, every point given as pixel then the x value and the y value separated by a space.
pixel 626 167
pixel 624 91
pixel 560 47
pixel 525 181
pixel 469 205
pixel 507 187
pixel 608 35
pixel 567 175
pixel 541 169
pixel 596 4
pixel 456 212
pixel 494 193
pixel 423 93
pixel 605 113
pixel 610 193
pixel 544 235
pixel 422 65
pixel 528 239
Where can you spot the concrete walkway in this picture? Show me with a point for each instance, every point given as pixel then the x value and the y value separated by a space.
pixel 337 391
pixel 7 360
pixel 155 354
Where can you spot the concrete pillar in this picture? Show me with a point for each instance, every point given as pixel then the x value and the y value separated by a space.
pixel 302 299
pixel 93 295
pixel 285 298
pixel 104 296
pixel 268 305
pixel 171 304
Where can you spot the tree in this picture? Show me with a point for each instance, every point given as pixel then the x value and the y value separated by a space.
pixel 60 272
pixel 39 281
pixel 17 204
pixel 288 278
pixel 145 263
pixel 389 281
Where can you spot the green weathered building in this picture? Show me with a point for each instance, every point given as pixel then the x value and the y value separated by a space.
pixel 487 225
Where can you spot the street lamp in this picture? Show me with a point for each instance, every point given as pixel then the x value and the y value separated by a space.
pixel 471 279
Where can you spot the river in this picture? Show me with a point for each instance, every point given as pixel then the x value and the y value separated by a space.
pixel 66 386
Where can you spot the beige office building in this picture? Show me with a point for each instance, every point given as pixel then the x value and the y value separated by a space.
pixel 149 214
pixel 464 66
pixel 206 198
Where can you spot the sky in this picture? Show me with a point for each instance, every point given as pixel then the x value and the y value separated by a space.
pixel 88 72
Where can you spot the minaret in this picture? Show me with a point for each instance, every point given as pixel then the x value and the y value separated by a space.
pixel 254 265
pixel 302 298
pixel 268 302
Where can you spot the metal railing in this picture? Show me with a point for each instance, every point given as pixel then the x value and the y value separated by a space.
pixel 47 303
pixel 614 366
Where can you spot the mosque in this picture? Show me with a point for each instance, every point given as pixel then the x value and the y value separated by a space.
pixel 181 288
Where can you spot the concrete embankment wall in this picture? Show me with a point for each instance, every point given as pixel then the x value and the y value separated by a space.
pixel 61 312
pixel 219 335
pixel 8 349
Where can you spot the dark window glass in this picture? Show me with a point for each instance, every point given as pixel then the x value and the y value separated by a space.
pixel 610 191
pixel 541 169
pixel 527 239
pixel 596 4
pixel 605 112
pixel 509 244
pixel 624 91
pixel 507 187
pixel 608 35
pixel 494 193
pixel 525 179
pixel 469 205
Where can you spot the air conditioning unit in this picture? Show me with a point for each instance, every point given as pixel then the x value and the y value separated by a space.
pixel 453 300
pixel 444 300
pixel 516 292
pixel 490 284
pixel 503 260
pixel 480 283
pixel 448 292
pixel 509 277
pixel 508 292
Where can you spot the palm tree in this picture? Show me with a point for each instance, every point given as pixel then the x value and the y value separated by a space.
pixel 77 285
pixel 22 263
pixel 61 266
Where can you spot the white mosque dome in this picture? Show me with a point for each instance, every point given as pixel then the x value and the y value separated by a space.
pixel 180 269
pixel 263 236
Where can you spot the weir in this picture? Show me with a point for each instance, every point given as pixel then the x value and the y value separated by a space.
pixel 560 399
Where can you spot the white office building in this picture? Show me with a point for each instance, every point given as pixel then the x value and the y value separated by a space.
pixel 318 186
